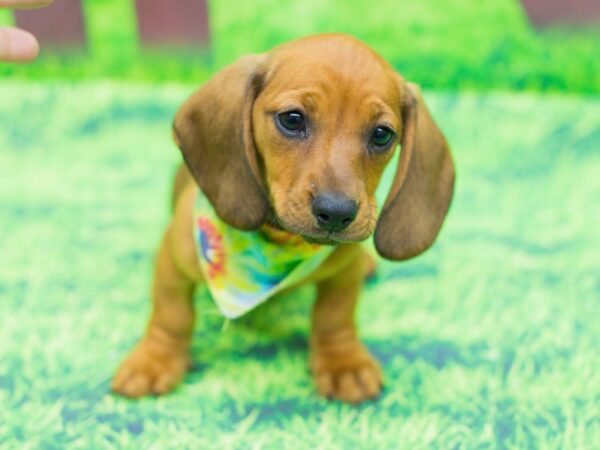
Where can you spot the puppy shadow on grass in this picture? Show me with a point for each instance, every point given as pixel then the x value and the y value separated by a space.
pixel 282 327
pixel 279 325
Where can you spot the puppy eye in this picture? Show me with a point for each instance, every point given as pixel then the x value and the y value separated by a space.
pixel 291 121
pixel 381 136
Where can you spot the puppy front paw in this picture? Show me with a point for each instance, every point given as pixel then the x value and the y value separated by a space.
pixel 346 372
pixel 150 369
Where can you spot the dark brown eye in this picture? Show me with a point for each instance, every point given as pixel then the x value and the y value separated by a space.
pixel 291 121
pixel 381 137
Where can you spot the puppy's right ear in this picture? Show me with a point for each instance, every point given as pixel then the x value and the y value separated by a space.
pixel 213 130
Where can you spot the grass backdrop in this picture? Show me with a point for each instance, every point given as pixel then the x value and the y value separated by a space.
pixel 442 44
pixel 489 340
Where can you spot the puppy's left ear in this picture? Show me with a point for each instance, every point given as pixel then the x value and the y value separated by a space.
pixel 417 203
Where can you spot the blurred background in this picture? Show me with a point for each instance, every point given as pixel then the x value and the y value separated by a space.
pixel 489 340
pixel 540 45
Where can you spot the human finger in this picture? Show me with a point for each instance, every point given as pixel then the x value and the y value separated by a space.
pixel 17 45
pixel 24 4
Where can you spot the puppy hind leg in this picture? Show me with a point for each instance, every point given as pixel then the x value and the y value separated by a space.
pixel 370 265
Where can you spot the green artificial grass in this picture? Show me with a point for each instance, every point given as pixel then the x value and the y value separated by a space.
pixel 489 340
pixel 444 44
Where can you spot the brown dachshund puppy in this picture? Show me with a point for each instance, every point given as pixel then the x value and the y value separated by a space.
pixel 297 139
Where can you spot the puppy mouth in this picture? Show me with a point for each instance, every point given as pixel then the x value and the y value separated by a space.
pixel 319 240
pixel 331 238
pixel 320 236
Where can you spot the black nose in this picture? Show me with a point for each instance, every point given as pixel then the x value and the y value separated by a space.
pixel 334 212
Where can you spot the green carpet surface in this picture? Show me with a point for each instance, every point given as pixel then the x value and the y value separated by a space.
pixel 489 340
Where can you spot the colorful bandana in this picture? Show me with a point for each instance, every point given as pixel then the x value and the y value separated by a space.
pixel 243 269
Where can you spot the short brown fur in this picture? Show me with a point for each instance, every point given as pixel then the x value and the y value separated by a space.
pixel 256 177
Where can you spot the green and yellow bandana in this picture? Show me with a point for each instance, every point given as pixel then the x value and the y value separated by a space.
pixel 243 269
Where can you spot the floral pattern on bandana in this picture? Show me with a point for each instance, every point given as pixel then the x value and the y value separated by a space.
pixel 244 268
pixel 210 245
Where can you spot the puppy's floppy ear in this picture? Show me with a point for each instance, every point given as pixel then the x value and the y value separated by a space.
pixel 422 189
pixel 213 130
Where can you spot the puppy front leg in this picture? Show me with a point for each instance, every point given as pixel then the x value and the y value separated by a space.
pixel 342 367
pixel 160 359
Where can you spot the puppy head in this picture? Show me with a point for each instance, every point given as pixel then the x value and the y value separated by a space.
pixel 300 137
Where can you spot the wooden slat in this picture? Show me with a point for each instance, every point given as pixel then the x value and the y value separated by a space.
pixel 570 12
pixel 173 23
pixel 58 26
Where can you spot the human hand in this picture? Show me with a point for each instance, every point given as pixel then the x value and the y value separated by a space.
pixel 19 45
